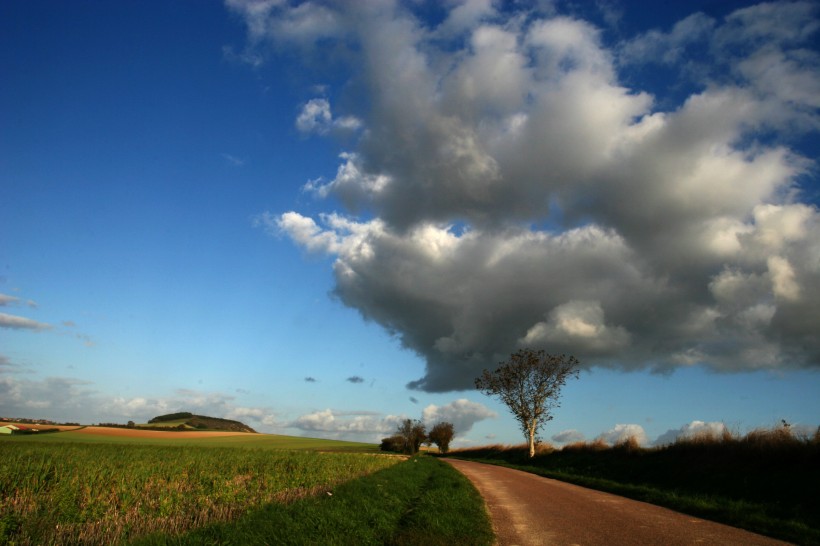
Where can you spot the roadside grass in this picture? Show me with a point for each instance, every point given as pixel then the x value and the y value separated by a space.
pixel 766 481
pixel 418 501
pixel 81 493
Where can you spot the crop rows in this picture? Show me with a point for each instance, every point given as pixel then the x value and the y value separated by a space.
pixel 103 494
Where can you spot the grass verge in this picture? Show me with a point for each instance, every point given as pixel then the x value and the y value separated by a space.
pixel 418 501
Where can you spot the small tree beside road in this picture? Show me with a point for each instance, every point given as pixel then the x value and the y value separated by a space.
pixel 529 383
pixel 441 435
pixel 413 434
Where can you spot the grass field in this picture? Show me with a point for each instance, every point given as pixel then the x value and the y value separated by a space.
pixel 107 488
pixel 766 481
pixel 420 501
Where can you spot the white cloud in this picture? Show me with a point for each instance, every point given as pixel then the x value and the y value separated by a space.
pixel 462 413
pixel 568 436
pixel 512 189
pixel 213 404
pixel 656 45
pixel 78 400
pixel 692 430
pixel 277 21
pixel 622 433
pixel 351 184
pixel 465 15
pixel 233 160
pixel 784 284
pixel 14 322
pixel 363 426
pixel 50 397
pixel 577 322
pixel 315 117
pixel 5 300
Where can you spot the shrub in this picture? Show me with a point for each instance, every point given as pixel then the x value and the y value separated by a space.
pixel 393 443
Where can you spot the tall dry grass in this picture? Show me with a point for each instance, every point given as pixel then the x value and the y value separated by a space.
pixel 758 441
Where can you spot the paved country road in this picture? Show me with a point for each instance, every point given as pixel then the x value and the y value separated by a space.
pixel 532 510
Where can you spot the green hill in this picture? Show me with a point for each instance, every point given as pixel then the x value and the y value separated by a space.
pixel 199 422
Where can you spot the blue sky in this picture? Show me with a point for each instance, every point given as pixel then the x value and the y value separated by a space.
pixel 320 218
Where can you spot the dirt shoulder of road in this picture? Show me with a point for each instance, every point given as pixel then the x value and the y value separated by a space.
pixel 529 510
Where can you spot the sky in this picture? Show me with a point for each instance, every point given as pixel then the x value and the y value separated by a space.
pixel 321 218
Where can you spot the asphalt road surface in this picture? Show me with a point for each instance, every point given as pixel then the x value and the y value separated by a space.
pixel 531 510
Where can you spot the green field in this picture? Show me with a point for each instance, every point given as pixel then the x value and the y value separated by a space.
pixel 68 488
pixel 164 424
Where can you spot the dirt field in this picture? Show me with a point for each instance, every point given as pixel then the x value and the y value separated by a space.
pixel 137 433
pixel 39 427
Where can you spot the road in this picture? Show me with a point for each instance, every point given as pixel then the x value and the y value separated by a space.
pixel 531 510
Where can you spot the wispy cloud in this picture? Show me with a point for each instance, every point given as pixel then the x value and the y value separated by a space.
pixel 14 322
pixel 8 301
pixel 316 117
pixel 234 160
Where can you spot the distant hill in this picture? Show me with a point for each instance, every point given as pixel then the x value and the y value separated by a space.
pixel 188 420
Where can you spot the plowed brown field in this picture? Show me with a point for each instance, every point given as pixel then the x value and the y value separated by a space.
pixel 40 427
pixel 139 433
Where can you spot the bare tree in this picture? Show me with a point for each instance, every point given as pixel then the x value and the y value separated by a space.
pixel 529 383
pixel 441 435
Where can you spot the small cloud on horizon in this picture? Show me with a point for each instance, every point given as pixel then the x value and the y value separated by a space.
pixel 568 436
pixel 691 430
pixel 623 432
pixel 14 322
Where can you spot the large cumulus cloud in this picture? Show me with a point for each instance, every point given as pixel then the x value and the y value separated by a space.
pixel 514 185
